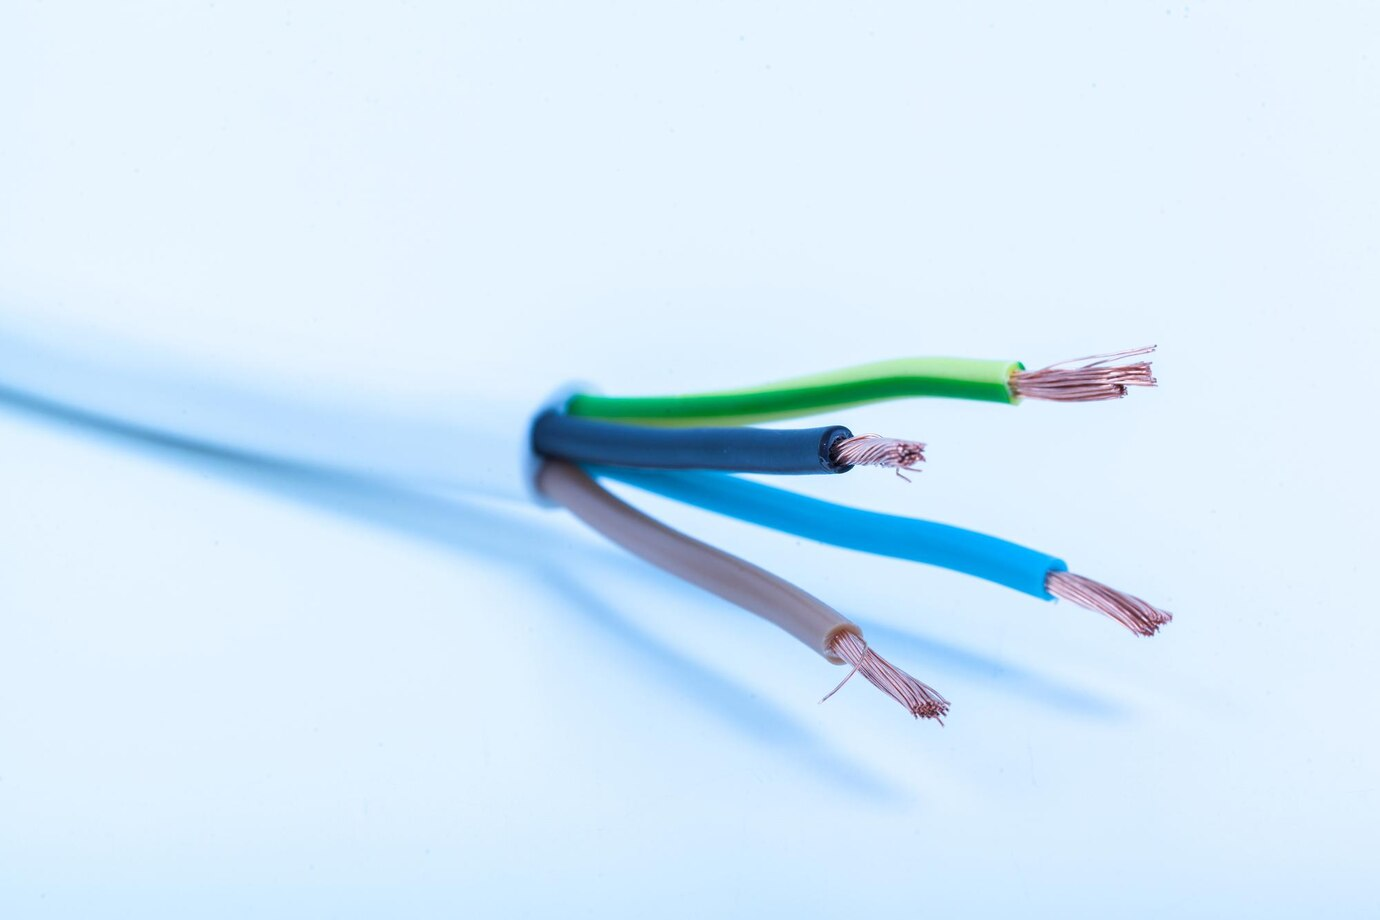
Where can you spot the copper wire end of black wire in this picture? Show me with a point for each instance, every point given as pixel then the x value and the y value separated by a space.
pixel 878 450
pixel 1132 612
pixel 1095 377
pixel 921 701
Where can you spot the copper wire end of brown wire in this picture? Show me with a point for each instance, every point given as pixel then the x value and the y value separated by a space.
pixel 877 450
pixel 1095 377
pixel 920 700
pixel 1131 612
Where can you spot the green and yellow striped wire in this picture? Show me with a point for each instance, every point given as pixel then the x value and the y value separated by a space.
pixel 955 378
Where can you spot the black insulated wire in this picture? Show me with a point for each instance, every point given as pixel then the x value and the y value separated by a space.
pixel 739 450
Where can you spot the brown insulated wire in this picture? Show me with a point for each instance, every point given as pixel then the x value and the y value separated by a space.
pixel 810 620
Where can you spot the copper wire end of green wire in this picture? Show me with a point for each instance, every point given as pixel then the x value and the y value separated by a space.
pixel 1135 614
pixel 1096 377
pixel 878 450
pixel 921 701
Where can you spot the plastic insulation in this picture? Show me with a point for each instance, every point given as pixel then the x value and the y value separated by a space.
pixel 774 599
pixel 744 450
pixel 424 442
pixel 948 547
pixel 957 378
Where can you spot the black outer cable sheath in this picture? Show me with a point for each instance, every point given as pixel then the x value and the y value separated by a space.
pixel 739 450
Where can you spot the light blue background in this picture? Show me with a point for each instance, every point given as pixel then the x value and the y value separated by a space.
pixel 224 694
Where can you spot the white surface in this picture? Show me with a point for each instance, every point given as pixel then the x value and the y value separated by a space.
pixel 225 693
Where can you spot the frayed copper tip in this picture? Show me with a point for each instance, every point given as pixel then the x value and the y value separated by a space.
pixel 1131 612
pixel 876 450
pixel 1093 379
pixel 920 700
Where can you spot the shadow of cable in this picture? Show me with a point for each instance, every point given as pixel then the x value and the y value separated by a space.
pixel 752 716
pixel 481 529
pixel 993 672
pixel 474 526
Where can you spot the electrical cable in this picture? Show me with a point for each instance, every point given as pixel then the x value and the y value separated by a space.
pixel 989 558
pixel 427 442
pixel 488 444
pixel 831 449
pixel 805 617
pixel 872 532
pixel 957 378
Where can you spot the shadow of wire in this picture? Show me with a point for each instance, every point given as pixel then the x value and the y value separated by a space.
pixel 478 529
pixel 993 672
pixel 750 715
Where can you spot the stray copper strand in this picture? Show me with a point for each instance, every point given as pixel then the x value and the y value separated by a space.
pixel 1094 378
pixel 920 700
pixel 1131 612
pixel 876 450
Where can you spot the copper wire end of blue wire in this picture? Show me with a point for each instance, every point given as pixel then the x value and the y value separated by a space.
pixel 878 450
pixel 1141 618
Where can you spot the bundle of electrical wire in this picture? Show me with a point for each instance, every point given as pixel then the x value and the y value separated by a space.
pixel 668 445
pixel 689 448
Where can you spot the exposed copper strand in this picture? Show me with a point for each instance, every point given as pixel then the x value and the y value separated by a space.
pixel 1132 612
pixel 877 450
pixel 921 701
pixel 1094 377
pixel 1097 360
pixel 839 686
